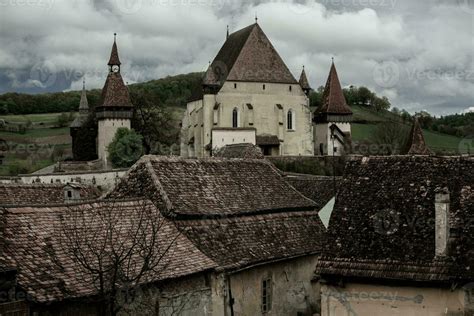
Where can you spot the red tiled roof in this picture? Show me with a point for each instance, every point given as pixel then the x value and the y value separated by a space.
pixel 31 240
pixel 304 83
pixel 238 242
pixel 416 144
pixel 114 57
pixel 333 98
pixel 248 55
pixel 36 194
pixel 211 187
pixel 115 93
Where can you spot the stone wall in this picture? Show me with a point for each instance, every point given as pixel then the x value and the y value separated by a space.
pixel 365 299
pixel 104 180
pixel 292 291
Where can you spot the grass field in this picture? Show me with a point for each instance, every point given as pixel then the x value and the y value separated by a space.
pixel 37 147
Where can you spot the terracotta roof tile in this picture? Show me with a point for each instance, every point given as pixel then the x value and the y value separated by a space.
pixel 36 194
pixel 242 241
pixel 115 93
pixel 32 244
pixel 383 222
pixel 304 83
pixel 416 144
pixel 247 151
pixel 114 57
pixel 248 55
pixel 333 98
pixel 211 187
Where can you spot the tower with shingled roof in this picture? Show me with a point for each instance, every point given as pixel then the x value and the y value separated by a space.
pixel 115 110
pixel 332 130
pixel 248 95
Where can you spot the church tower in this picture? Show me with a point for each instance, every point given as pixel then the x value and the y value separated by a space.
pixel 332 119
pixel 115 110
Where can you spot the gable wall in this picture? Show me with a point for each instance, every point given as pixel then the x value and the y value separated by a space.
pixel 265 116
pixel 364 299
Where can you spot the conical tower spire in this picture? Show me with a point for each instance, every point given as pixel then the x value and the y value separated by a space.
pixel 83 104
pixel 416 144
pixel 334 102
pixel 114 57
pixel 304 83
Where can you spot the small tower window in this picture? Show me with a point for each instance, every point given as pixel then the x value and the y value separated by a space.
pixel 266 295
pixel 235 118
pixel 290 120
pixel 263 87
pixel 235 86
pixel 291 88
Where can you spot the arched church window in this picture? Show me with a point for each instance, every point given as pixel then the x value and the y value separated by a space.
pixel 235 118
pixel 290 120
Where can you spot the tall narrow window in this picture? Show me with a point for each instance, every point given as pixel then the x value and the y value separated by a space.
pixel 235 118
pixel 266 295
pixel 290 120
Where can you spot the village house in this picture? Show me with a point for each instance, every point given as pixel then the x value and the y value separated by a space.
pixel 400 238
pixel 41 275
pixel 263 234
pixel 242 241
pixel 249 95
pixel 37 193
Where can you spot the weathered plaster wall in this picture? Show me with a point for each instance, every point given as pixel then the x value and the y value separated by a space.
pixel 223 137
pixel 106 133
pixel 105 179
pixel 263 114
pixel 292 289
pixel 362 299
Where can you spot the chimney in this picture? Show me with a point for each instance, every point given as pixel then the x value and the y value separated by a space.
pixel 442 201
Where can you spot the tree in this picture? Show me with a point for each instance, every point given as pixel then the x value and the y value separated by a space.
pixel 156 123
pixel 390 137
pixel 116 247
pixel 126 148
pixel 62 120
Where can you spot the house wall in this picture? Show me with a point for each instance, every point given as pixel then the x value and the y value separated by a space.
pixel 322 135
pixel 221 138
pixel 264 115
pixel 292 289
pixel 106 133
pixel 364 299
pixel 105 179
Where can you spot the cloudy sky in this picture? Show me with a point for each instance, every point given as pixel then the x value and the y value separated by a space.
pixel 417 53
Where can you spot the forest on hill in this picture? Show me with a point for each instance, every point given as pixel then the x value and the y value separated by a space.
pixel 173 91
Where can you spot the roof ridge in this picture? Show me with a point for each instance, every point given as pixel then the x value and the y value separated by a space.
pixel 159 187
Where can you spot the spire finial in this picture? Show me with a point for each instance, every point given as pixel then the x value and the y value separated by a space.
pixel 227 31
pixel 256 18
pixel 115 37
pixel 303 67
pixel 83 83
pixel 332 58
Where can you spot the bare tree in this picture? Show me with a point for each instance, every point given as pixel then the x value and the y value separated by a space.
pixel 116 247
pixel 390 137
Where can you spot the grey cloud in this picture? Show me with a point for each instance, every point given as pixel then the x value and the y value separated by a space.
pixel 427 41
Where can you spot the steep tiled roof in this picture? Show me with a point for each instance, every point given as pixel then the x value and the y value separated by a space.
pixel 114 92
pixel 211 187
pixel 242 241
pixel 83 110
pixel 31 241
pixel 304 83
pixel 38 194
pixel 248 151
pixel 114 57
pixel 211 78
pixel 317 188
pixel 383 222
pixel 333 100
pixel 268 140
pixel 416 144
pixel 248 55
